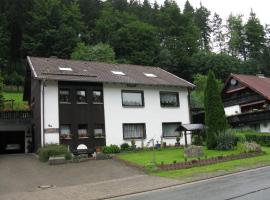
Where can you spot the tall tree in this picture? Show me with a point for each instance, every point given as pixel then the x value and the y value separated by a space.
pixel 202 19
pixel 1 92
pixel 215 118
pixel 54 28
pixel 236 36
pixel 4 41
pixel 254 36
pixel 218 37
pixel 188 8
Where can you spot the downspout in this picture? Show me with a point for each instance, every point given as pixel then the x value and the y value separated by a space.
pixel 42 113
pixel 189 110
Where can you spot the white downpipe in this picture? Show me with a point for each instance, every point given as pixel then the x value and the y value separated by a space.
pixel 42 111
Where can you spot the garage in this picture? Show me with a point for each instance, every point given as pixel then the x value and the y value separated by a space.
pixel 12 142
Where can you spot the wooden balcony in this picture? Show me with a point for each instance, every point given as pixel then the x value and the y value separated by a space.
pixel 249 118
pixel 21 115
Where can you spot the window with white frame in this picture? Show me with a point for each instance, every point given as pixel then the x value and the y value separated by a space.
pixel 170 129
pixel 134 131
pixel 132 98
pixel 65 131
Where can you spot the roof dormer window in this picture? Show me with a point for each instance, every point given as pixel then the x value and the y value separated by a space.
pixel 150 75
pixel 65 69
pixel 118 73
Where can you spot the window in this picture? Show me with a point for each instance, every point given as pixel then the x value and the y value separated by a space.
pixel 97 96
pixel 169 99
pixel 82 131
pixel 99 131
pixel 118 73
pixel 81 96
pixel 169 129
pixel 65 69
pixel 132 98
pixel 65 132
pixel 150 75
pixel 64 96
pixel 134 131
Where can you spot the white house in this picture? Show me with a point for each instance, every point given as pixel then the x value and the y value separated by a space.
pixel 97 104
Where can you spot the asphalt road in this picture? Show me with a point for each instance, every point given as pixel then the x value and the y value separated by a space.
pixel 249 185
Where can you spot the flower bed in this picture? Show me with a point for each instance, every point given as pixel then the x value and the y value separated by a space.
pixel 214 160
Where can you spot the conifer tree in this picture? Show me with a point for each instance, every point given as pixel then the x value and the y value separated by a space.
pixel 1 93
pixel 215 118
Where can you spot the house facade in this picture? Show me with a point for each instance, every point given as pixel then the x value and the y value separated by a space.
pixel 91 104
pixel 247 101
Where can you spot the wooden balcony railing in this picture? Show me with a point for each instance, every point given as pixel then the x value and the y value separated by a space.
pixel 16 115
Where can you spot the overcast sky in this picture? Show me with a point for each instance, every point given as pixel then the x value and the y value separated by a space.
pixel 225 7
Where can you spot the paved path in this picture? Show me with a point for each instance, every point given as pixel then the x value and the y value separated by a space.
pixel 20 176
pixel 249 185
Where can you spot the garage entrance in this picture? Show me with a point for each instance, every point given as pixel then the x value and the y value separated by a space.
pixel 12 142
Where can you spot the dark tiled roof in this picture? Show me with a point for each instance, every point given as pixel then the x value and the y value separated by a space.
pixel 258 84
pixel 48 68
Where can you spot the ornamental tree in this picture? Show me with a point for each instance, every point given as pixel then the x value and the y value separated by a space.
pixel 215 118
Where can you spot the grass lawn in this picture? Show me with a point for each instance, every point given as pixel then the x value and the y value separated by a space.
pixel 19 104
pixel 225 167
pixel 167 156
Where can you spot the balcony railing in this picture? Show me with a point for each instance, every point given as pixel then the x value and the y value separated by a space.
pixel 249 118
pixel 16 115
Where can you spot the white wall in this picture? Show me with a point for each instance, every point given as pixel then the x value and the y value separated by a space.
pixel 152 114
pixel 232 110
pixel 51 112
pixel 265 127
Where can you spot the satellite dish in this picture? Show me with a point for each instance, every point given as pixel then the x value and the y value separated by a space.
pixel 82 147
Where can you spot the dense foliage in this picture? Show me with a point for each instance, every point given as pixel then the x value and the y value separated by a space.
pixel 215 118
pixel 111 149
pixel 52 150
pixel 1 93
pixel 185 42
pixel 226 140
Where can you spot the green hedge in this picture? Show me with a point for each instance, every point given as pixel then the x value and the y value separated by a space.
pixel 51 150
pixel 260 138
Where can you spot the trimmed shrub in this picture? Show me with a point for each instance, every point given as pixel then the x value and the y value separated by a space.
pixel 260 138
pixel 53 150
pixel 125 147
pixel 249 147
pixel 111 149
pixel 226 140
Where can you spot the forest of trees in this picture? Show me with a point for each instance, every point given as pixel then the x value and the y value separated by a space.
pixel 184 41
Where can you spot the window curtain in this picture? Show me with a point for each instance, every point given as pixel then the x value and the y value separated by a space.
pixel 65 130
pixel 133 131
pixel 169 130
pixel 169 99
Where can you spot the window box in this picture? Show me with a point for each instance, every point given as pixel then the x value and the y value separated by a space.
pixel 83 131
pixel 134 131
pixel 169 99
pixel 132 98
pixel 169 129
pixel 99 132
pixel 65 132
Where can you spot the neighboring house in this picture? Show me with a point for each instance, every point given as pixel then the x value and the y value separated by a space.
pixel 97 104
pixel 247 101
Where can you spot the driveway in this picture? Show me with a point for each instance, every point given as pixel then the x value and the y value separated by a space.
pixel 19 172
pixel 20 176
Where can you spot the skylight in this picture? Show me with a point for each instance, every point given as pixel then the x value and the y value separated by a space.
pixel 118 73
pixel 150 75
pixel 65 69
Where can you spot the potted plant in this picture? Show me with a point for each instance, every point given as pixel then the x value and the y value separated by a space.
pixel 133 144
